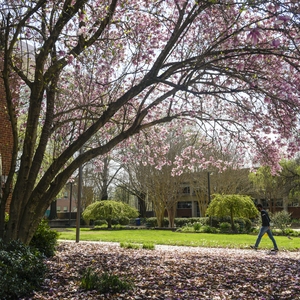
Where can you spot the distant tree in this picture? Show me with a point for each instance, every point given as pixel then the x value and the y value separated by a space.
pixel 281 185
pixel 232 206
pixel 223 175
pixel 108 210
pixel 266 185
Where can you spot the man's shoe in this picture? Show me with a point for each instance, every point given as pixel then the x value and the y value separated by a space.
pixel 274 250
pixel 253 247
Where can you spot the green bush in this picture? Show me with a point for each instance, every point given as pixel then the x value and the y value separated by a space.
pixel 22 270
pixel 225 227
pixel 216 221
pixel 45 239
pixel 124 221
pixel 208 229
pixel 152 222
pixel 100 222
pixel 197 226
pixel 180 222
pixel 105 283
pixel 281 220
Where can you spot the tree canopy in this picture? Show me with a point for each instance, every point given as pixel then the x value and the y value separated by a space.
pixel 109 210
pixel 232 206
pixel 92 75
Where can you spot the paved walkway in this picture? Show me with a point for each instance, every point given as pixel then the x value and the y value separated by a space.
pixel 206 250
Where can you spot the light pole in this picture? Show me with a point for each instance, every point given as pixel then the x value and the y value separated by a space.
pixel 79 201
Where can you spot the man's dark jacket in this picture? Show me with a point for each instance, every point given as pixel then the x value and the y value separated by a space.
pixel 265 218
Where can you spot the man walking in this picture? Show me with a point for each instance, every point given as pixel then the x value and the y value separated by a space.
pixel 265 228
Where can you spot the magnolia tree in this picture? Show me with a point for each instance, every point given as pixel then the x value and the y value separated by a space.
pixel 91 74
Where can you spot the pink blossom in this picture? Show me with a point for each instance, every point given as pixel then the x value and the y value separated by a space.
pixel 254 36
pixel 275 43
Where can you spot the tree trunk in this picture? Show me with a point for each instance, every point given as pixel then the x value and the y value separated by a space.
pixel 171 216
pixel 142 204
pixel 109 223
pixel 53 210
pixel 286 204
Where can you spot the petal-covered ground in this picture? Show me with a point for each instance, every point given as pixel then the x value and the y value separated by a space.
pixel 175 272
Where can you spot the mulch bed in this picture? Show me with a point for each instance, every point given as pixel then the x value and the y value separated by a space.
pixel 174 272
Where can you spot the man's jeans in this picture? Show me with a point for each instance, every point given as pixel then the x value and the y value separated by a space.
pixel 263 230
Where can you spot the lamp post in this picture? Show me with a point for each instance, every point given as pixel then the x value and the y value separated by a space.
pixel 79 201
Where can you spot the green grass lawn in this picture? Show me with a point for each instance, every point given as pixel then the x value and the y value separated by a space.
pixel 167 237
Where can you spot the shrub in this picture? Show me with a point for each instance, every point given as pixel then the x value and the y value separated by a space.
pixel 208 229
pixel 105 283
pixel 197 226
pixel 281 220
pixel 45 239
pixel 225 227
pixel 100 222
pixel 151 222
pixel 124 221
pixel 22 270
pixel 180 222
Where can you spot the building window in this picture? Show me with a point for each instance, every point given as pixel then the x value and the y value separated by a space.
pixel 58 209
pixel 65 209
pixel 186 204
pixel 186 190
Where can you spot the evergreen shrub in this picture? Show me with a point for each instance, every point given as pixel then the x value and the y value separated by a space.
pixel 124 221
pixel 100 222
pixel 22 270
pixel 45 239
pixel 225 227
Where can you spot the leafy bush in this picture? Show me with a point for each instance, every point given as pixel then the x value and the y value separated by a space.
pixel 243 225
pixel 216 221
pixel 45 239
pixel 208 229
pixel 151 222
pixel 22 270
pixel 225 227
pixel 197 226
pixel 180 222
pixel 105 283
pixel 295 222
pixel 281 220
pixel 124 221
pixel 100 222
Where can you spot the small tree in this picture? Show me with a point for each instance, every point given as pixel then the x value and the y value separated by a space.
pixel 233 206
pixel 108 210
pixel 281 220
